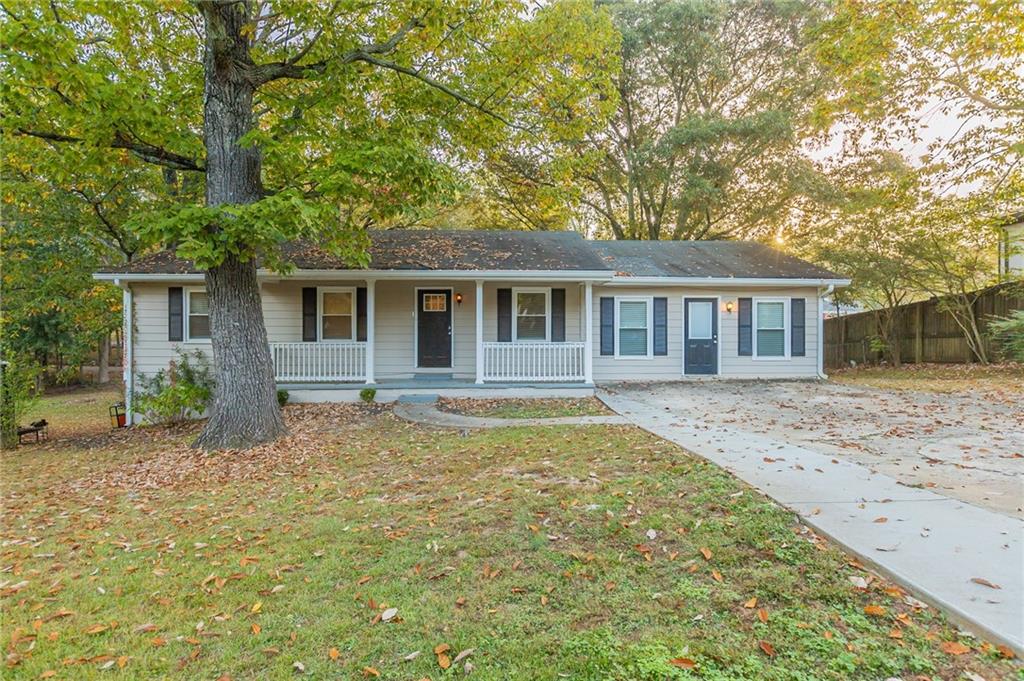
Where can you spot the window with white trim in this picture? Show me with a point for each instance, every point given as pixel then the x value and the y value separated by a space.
pixel 533 307
pixel 633 326
pixel 197 315
pixel 337 314
pixel 770 327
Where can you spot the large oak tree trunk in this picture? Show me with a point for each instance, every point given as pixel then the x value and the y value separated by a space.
pixel 245 410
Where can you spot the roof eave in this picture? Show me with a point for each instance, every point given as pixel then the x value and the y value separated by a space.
pixel 625 280
pixel 268 275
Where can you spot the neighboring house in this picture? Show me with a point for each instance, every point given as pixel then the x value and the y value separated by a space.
pixel 1011 248
pixel 453 310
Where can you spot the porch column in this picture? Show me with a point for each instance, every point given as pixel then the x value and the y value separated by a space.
pixel 479 331
pixel 588 349
pixel 370 313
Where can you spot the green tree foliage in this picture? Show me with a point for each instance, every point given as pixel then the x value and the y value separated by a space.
pixel 714 101
pixel 893 60
pixel 18 394
pixel 292 120
pixel 863 233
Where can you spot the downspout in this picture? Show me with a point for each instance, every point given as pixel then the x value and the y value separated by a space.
pixel 821 328
pixel 128 352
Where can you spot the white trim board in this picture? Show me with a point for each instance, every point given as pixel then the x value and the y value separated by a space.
pixel 595 276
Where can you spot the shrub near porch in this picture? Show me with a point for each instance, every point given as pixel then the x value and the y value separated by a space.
pixel 594 552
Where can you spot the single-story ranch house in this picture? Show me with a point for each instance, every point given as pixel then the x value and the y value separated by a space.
pixel 456 310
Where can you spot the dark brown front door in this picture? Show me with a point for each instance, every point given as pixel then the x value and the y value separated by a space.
pixel 433 328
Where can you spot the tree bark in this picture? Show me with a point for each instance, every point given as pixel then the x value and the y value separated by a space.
pixel 245 410
pixel 103 361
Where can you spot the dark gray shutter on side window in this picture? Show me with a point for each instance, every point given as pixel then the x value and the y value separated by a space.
pixel 504 315
pixel 746 327
pixel 361 313
pixel 175 319
pixel 607 325
pixel 558 315
pixel 661 326
pixel 797 327
pixel 309 314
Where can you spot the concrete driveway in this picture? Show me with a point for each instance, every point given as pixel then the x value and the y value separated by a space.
pixel 925 487
pixel 968 446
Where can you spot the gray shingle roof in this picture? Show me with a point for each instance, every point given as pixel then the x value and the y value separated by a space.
pixel 516 251
pixel 720 259
pixel 427 249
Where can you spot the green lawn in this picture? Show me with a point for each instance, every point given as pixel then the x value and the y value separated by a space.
pixel 941 378
pixel 582 552
pixel 525 408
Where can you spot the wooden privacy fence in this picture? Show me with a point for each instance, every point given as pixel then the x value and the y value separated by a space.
pixel 926 333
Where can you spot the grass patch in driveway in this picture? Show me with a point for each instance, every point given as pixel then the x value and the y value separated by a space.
pixel 596 552
pixel 525 408
pixel 937 378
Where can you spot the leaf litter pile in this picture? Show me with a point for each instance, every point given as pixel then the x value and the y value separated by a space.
pixel 361 546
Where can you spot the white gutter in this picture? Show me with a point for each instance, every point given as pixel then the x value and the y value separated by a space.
pixel 334 275
pixel 606 277
pixel 821 329
pixel 725 281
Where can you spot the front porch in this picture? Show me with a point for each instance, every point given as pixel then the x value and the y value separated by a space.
pixel 409 337
pixel 390 390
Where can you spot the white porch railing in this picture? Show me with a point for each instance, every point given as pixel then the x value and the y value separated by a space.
pixel 534 361
pixel 319 361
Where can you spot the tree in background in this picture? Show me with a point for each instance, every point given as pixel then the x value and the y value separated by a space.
pixel 893 61
pixel 63 221
pixel 297 120
pixel 954 259
pixel 864 235
pixel 714 101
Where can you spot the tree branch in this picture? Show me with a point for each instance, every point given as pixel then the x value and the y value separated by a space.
pixel 265 73
pixel 149 153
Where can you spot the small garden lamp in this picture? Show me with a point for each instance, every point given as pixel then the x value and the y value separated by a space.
pixel 118 419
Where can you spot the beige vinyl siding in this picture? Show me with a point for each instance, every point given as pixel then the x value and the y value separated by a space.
pixel 731 365
pixel 395 346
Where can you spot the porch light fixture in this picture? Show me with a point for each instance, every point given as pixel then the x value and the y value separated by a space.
pixel 458 298
pixel 728 306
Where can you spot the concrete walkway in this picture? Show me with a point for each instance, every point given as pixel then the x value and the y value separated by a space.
pixel 427 413
pixel 934 546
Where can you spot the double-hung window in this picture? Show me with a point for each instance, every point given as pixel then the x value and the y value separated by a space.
pixel 533 307
pixel 197 314
pixel 634 327
pixel 337 314
pixel 770 328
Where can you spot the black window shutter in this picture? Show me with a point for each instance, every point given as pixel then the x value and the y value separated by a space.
pixel 607 326
pixel 661 326
pixel 309 314
pixel 504 315
pixel 797 328
pixel 361 313
pixel 746 330
pixel 558 315
pixel 175 320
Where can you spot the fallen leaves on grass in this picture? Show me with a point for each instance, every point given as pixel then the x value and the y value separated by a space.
pixel 874 610
pixel 767 648
pixel 954 648
pixel 682 663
